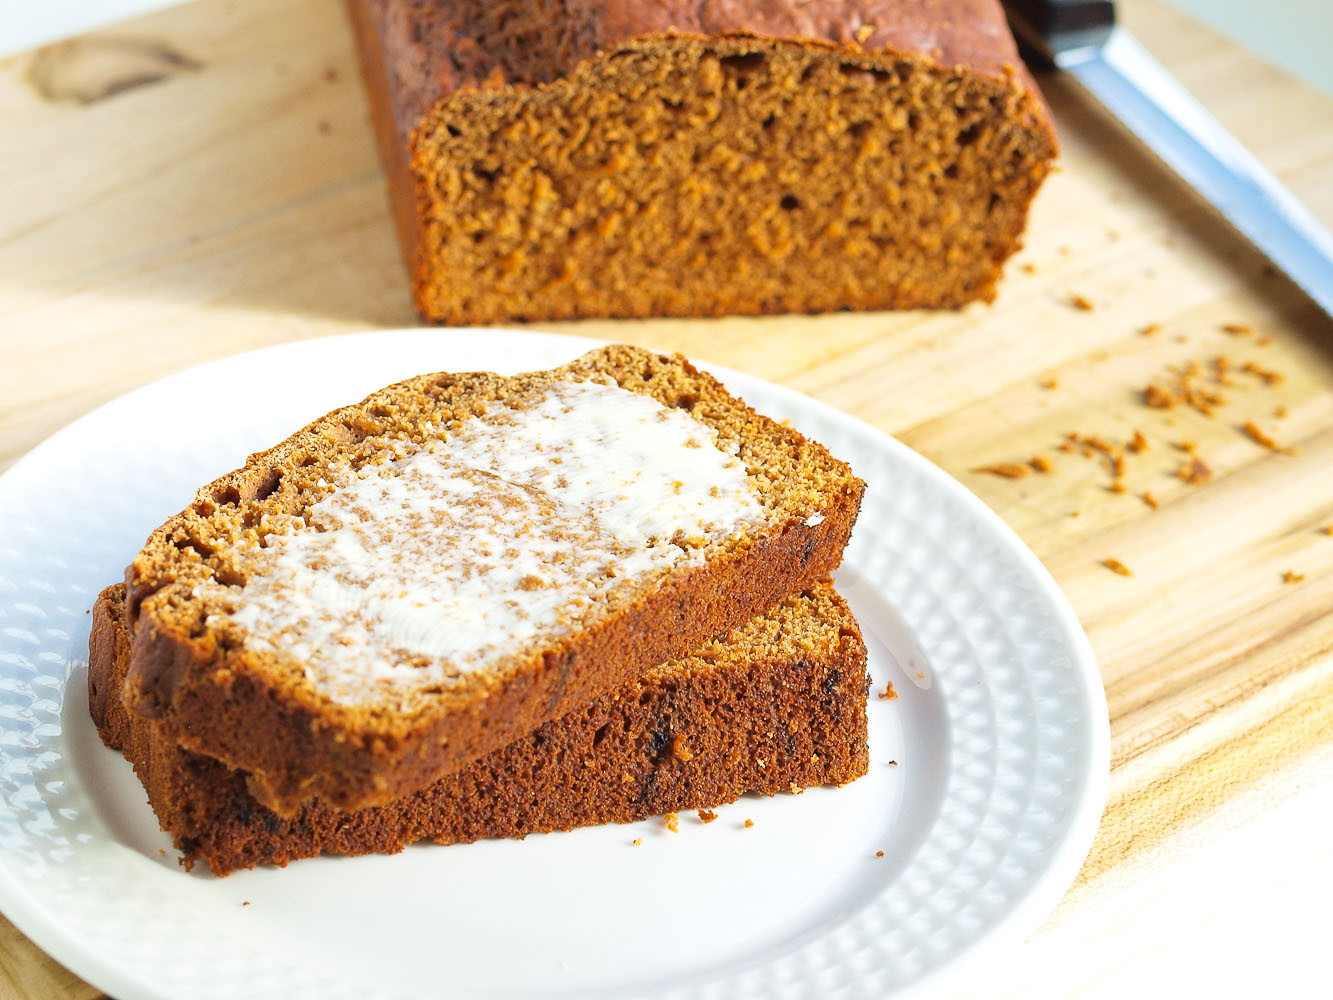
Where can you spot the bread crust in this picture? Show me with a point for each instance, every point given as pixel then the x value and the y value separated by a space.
pixel 232 704
pixel 778 705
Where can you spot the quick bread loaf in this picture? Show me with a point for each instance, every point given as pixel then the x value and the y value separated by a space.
pixel 618 158
pixel 777 705
pixel 414 581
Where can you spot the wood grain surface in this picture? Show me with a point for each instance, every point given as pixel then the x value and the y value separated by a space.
pixel 203 181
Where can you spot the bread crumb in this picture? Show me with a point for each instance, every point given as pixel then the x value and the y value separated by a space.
pixel 1081 302
pixel 1029 268
pixel 1222 370
pixel 1149 499
pixel 1049 383
pixel 1117 486
pixel 1264 341
pixel 888 693
pixel 1041 463
pixel 707 815
pixel 679 750
pixel 1187 446
pixel 1151 330
pixel 1181 387
pixel 1138 443
pixel 1259 437
pixel 1116 566
pixel 749 823
pixel 245 902
pixel 1329 530
pixel 1157 397
pixel 864 32
pixel 1075 513
pixel 1007 470
pixel 637 842
pixel 893 763
pixel 795 789
pixel 879 854
pixel 672 822
pixel 1269 376
pixel 1194 472
pixel 1281 412
pixel 1237 329
pixel 1291 576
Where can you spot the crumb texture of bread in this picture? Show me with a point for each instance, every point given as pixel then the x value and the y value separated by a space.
pixel 223 688
pixel 611 158
pixel 778 704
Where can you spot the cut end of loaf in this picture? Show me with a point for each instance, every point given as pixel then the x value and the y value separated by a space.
pixel 683 175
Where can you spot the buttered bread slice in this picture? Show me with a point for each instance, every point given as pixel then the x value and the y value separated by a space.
pixel 416 580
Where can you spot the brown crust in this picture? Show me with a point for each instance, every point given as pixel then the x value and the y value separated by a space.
pixel 928 224
pixel 791 686
pixel 220 699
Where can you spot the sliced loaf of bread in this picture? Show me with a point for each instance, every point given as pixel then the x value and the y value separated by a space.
pixel 630 158
pixel 779 704
pixel 416 580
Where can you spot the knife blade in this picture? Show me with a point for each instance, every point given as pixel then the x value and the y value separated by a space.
pixel 1080 37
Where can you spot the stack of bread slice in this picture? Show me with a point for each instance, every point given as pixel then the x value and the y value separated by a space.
pixel 480 606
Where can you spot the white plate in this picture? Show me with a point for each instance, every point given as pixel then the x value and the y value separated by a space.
pixel 999 734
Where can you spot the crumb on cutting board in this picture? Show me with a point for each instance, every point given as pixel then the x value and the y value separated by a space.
pixel 1291 576
pixel 1195 472
pixel 1257 435
pixel 1268 375
pixel 1116 566
pixel 1005 470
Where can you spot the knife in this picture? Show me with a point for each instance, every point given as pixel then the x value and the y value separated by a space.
pixel 1080 37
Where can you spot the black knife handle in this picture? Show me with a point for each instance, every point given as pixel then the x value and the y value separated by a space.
pixel 1049 27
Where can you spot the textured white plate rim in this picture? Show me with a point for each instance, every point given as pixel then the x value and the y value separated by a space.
pixel 35 920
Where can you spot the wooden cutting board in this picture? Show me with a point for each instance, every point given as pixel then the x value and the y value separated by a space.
pixel 203 181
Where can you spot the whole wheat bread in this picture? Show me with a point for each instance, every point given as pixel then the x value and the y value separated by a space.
pixel 215 689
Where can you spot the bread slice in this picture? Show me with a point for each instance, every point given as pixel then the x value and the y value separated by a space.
pixel 778 705
pixel 414 581
pixel 622 158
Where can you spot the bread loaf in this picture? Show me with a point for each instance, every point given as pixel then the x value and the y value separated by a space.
pixel 617 158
